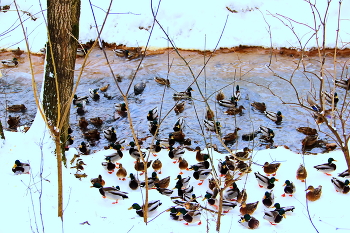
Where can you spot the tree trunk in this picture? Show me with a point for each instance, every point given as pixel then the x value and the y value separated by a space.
pixel 63 21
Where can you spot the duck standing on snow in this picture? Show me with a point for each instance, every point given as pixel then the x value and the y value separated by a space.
pixel 268 199
pixel 120 109
pixel 344 174
pixel 301 173
pixel 110 134
pixel 183 165
pixel 134 153
pixel 79 100
pixel 289 188
pixel 81 108
pixel 157 166
pixel 201 174
pixel 341 186
pixel 265 181
pixel 94 94
pixel 133 183
pixel 275 117
pixel 98 180
pixel 271 168
pixel 274 217
pixel 313 194
pixel 248 208
pixel 249 222
pixel 121 173
pixel 111 193
pixel 327 167
pixel 108 166
pixel 152 206
pixel 179 124
pixel 231 137
pixel 191 216
pixel 20 168
pixel 267 133
pixel 84 148
pixel 175 154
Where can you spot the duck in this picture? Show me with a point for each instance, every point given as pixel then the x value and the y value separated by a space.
pixel 81 52
pixel 267 133
pixel 309 141
pixel 139 166
pixel 164 191
pixel 96 121
pixel 230 164
pixel 343 83
pixel 274 216
pixel 220 95
pixel 289 188
pixel 191 216
pixel 286 208
pixel 249 222
pixel 152 206
pixel 201 174
pixel 134 153
pixel 307 130
pixel 344 174
pixel 183 164
pixel 250 136
pixel 153 127
pixel 92 134
pixel 81 108
pixel 248 208
pixel 151 181
pixel 301 173
pixel 175 154
pixel 83 123
pixel 179 124
pixel 232 193
pixel 179 107
pixel 244 153
pixel 331 98
pixel 260 106
pixel 201 165
pixel 69 141
pixel 228 205
pixel 314 106
pixel 183 191
pixel 17 52
pixel 20 167
pixel 242 196
pixel 163 183
pixel 115 153
pixel 98 180
pixel 84 148
pixel 326 168
pixel 10 63
pixel 237 93
pixel 178 136
pixel 111 193
pixel 183 182
pixel 231 137
pixel 121 173
pixel 108 166
pixel 223 169
pixel 121 52
pixel 80 100
pixel 265 181
pixel 173 213
pixel 212 126
pixel 157 166
pixel 313 194
pixel 110 134
pixel 271 168
pixel 201 157
pixel 183 95
pixel 120 107
pixel 162 81
pixel 13 122
pixel 156 148
pixel 231 103
pixel 275 117
pixel 268 199
pixel 133 182
pixel 152 114
pixel 234 111
pixel 209 114
pixel 93 93
pixel 139 88
pixel 104 88
pixel 341 186
pixel 16 108
pixel 211 199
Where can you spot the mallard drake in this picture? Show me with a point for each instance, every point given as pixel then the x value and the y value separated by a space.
pixel 20 168
pixel 211 199
pixel 139 166
pixel 133 183
pixel 271 168
pixel 242 196
pixel 244 153
pixel 179 108
pixel 115 153
pixel 178 136
pixel 175 154
pixel 84 148
pixel 220 95
pixel 152 114
pixel 212 126
pixel 155 148
pixel 259 106
pixel 201 157
pixel 286 208
pixel 163 183
pixel 343 83
pixel 81 108
pixel 183 164
pixel 80 100
pixel 108 166
pixel 183 182
pixel 183 191
pixel 17 52
pixel 10 63
pixel 344 174
pixel 162 81
pixel 201 165
pixel 249 222
pixel 173 213
pixel 153 127
pixel 121 173
pixel 121 52
pixel 231 103
pixel 307 130
pixel 265 181
pixel 179 124
pixel 164 191
pixel 183 95
pixel 267 133
pixel 81 52
pixel 151 181
pixel 331 97
pixel 289 188
pixel 120 107
pixel 111 193
pixel 237 93
pixel 134 153
pixel 250 136
pixel 98 180
pixel 110 134
pixel 16 108
pixel 275 117
pixel 228 205
pixel 231 137
pixel 309 141
pixel 301 173
pixel 234 111
pixel 268 199
pixel 157 166
pixel 340 186
pixel 13 122
pixel 96 121
pixel 152 206
pixel 327 167
pixel 104 88
pixel 223 169
pixel 201 174
pixel 139 88
pixel 83 123
pixel 232 193
pixel 93 93
pixel 313 194
pixel 248 208
pixel 274 217
pixel 92 134
pixel 191 216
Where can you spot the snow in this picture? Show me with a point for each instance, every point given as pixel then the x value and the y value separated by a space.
pixel 30 201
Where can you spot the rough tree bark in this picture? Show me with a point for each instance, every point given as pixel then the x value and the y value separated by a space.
pixel 63 21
